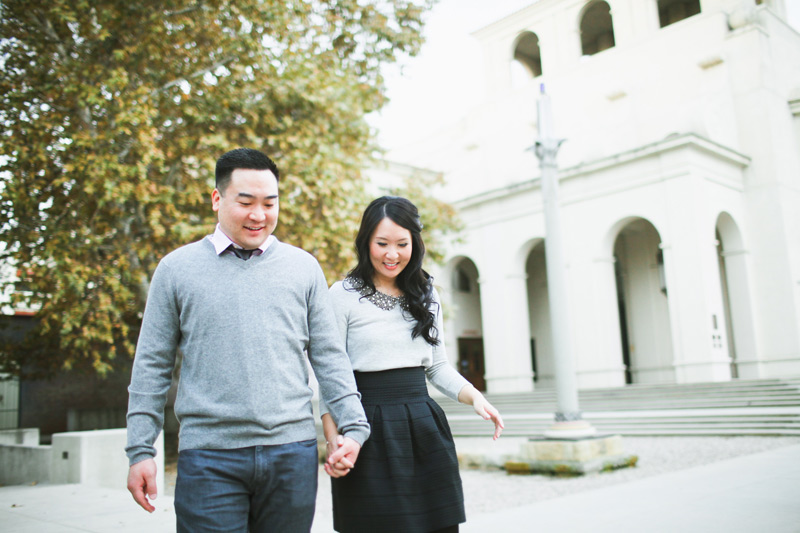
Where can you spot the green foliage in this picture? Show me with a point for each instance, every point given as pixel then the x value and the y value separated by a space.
pixel 113 113
pixel 516 468
pixel 626 462
pixel 564 470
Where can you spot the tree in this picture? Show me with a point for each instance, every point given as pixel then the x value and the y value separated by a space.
pixel 113 113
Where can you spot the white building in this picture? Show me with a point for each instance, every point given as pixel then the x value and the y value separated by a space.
pixel 679 189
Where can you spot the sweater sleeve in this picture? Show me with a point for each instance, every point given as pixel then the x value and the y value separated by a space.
pixel 441 373
pixel 340 313
pixel 337 385
pixel 152 367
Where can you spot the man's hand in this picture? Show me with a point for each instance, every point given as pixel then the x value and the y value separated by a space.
pixel 342 455
pixel 142 483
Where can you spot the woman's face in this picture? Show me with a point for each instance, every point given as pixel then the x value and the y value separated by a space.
pixel 389 252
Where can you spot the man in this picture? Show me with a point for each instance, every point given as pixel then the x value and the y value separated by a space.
pixel 245 310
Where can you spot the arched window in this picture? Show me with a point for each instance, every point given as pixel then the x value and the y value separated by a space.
pixel 597 30
pixel 672 11
pixel 526 52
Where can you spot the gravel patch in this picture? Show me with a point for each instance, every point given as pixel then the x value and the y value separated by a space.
pixel 493 490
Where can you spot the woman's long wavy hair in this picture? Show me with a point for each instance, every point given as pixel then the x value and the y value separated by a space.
pixel 416 284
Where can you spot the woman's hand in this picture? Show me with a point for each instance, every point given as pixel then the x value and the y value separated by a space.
pixel 488 412
pixel 337 469
pixel 471 396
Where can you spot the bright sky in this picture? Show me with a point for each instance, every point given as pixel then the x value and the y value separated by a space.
pixel 438 85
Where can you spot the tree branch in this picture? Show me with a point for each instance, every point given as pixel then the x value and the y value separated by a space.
pixel 197 74
pixel 190 9
pixel 48 29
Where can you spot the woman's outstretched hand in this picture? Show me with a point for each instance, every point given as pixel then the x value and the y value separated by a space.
pixel 471 396
pixel 487 411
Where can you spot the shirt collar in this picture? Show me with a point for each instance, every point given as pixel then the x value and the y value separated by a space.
pixel 221 241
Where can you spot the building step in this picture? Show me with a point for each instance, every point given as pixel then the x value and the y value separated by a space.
pixel 742 407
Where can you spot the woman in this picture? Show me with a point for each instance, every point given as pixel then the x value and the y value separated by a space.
pixel 406 478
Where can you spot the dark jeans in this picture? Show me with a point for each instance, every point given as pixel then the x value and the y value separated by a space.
pixel 259 489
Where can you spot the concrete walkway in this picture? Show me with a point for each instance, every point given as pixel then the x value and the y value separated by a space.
pixel 749 494
pixel 79 508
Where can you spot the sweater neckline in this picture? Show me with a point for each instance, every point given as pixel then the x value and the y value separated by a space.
pixel 381 300
pixel 252 260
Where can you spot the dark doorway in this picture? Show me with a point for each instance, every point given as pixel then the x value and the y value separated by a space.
pixel 623 322
pixel 470 361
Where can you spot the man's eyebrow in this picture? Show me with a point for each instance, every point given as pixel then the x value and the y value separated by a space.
pixel 253 196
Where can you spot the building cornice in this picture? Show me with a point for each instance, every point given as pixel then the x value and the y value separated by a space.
pixel 671 143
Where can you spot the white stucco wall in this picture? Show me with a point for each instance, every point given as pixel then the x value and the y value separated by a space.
pixel 673 125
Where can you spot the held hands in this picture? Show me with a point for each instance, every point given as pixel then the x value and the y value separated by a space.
pixel 142 483
pixel 342 453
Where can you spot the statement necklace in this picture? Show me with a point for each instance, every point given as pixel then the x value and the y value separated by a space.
pixel 379 299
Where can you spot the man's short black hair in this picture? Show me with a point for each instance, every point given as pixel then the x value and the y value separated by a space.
pixel 248 158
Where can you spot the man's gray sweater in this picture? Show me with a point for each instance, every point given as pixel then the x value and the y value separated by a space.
pixel 244 329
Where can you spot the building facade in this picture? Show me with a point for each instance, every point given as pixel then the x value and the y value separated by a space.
pixel 679 182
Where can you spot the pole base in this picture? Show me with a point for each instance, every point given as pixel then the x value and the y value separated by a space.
pixel 570 429
pixel 570 457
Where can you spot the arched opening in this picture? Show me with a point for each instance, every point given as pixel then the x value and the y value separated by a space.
pixel 467 322
pixel 539 312
pixel 672 11
pixel 597 29
pixel 527 55
pixel 726 304
pixel 735 296
pixel 642 297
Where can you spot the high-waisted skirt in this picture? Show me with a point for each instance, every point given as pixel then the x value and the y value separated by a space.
pixel 406 476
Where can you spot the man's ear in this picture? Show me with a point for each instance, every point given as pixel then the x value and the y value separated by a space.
pixel 216 198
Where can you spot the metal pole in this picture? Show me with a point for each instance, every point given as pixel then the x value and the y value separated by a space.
pixel 569 422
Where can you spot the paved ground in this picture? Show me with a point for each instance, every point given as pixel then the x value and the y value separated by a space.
pixel 752 494
pixel 731 485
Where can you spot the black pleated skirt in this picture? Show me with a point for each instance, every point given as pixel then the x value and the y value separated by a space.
pixel 406 477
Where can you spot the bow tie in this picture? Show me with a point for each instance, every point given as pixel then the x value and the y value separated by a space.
pixel 241 253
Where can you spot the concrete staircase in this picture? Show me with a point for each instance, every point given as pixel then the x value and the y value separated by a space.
pixel 739 407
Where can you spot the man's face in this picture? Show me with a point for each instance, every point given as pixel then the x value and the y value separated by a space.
pixel 248 208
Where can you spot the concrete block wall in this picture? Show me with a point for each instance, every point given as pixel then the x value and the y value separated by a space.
pixel 88 457
pixel 24 465
pixel 96 458
pixel 23 436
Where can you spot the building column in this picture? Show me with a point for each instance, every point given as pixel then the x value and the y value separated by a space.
pixel 696 310
pixel 506 333
pixel 595 311
pixel 740 303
